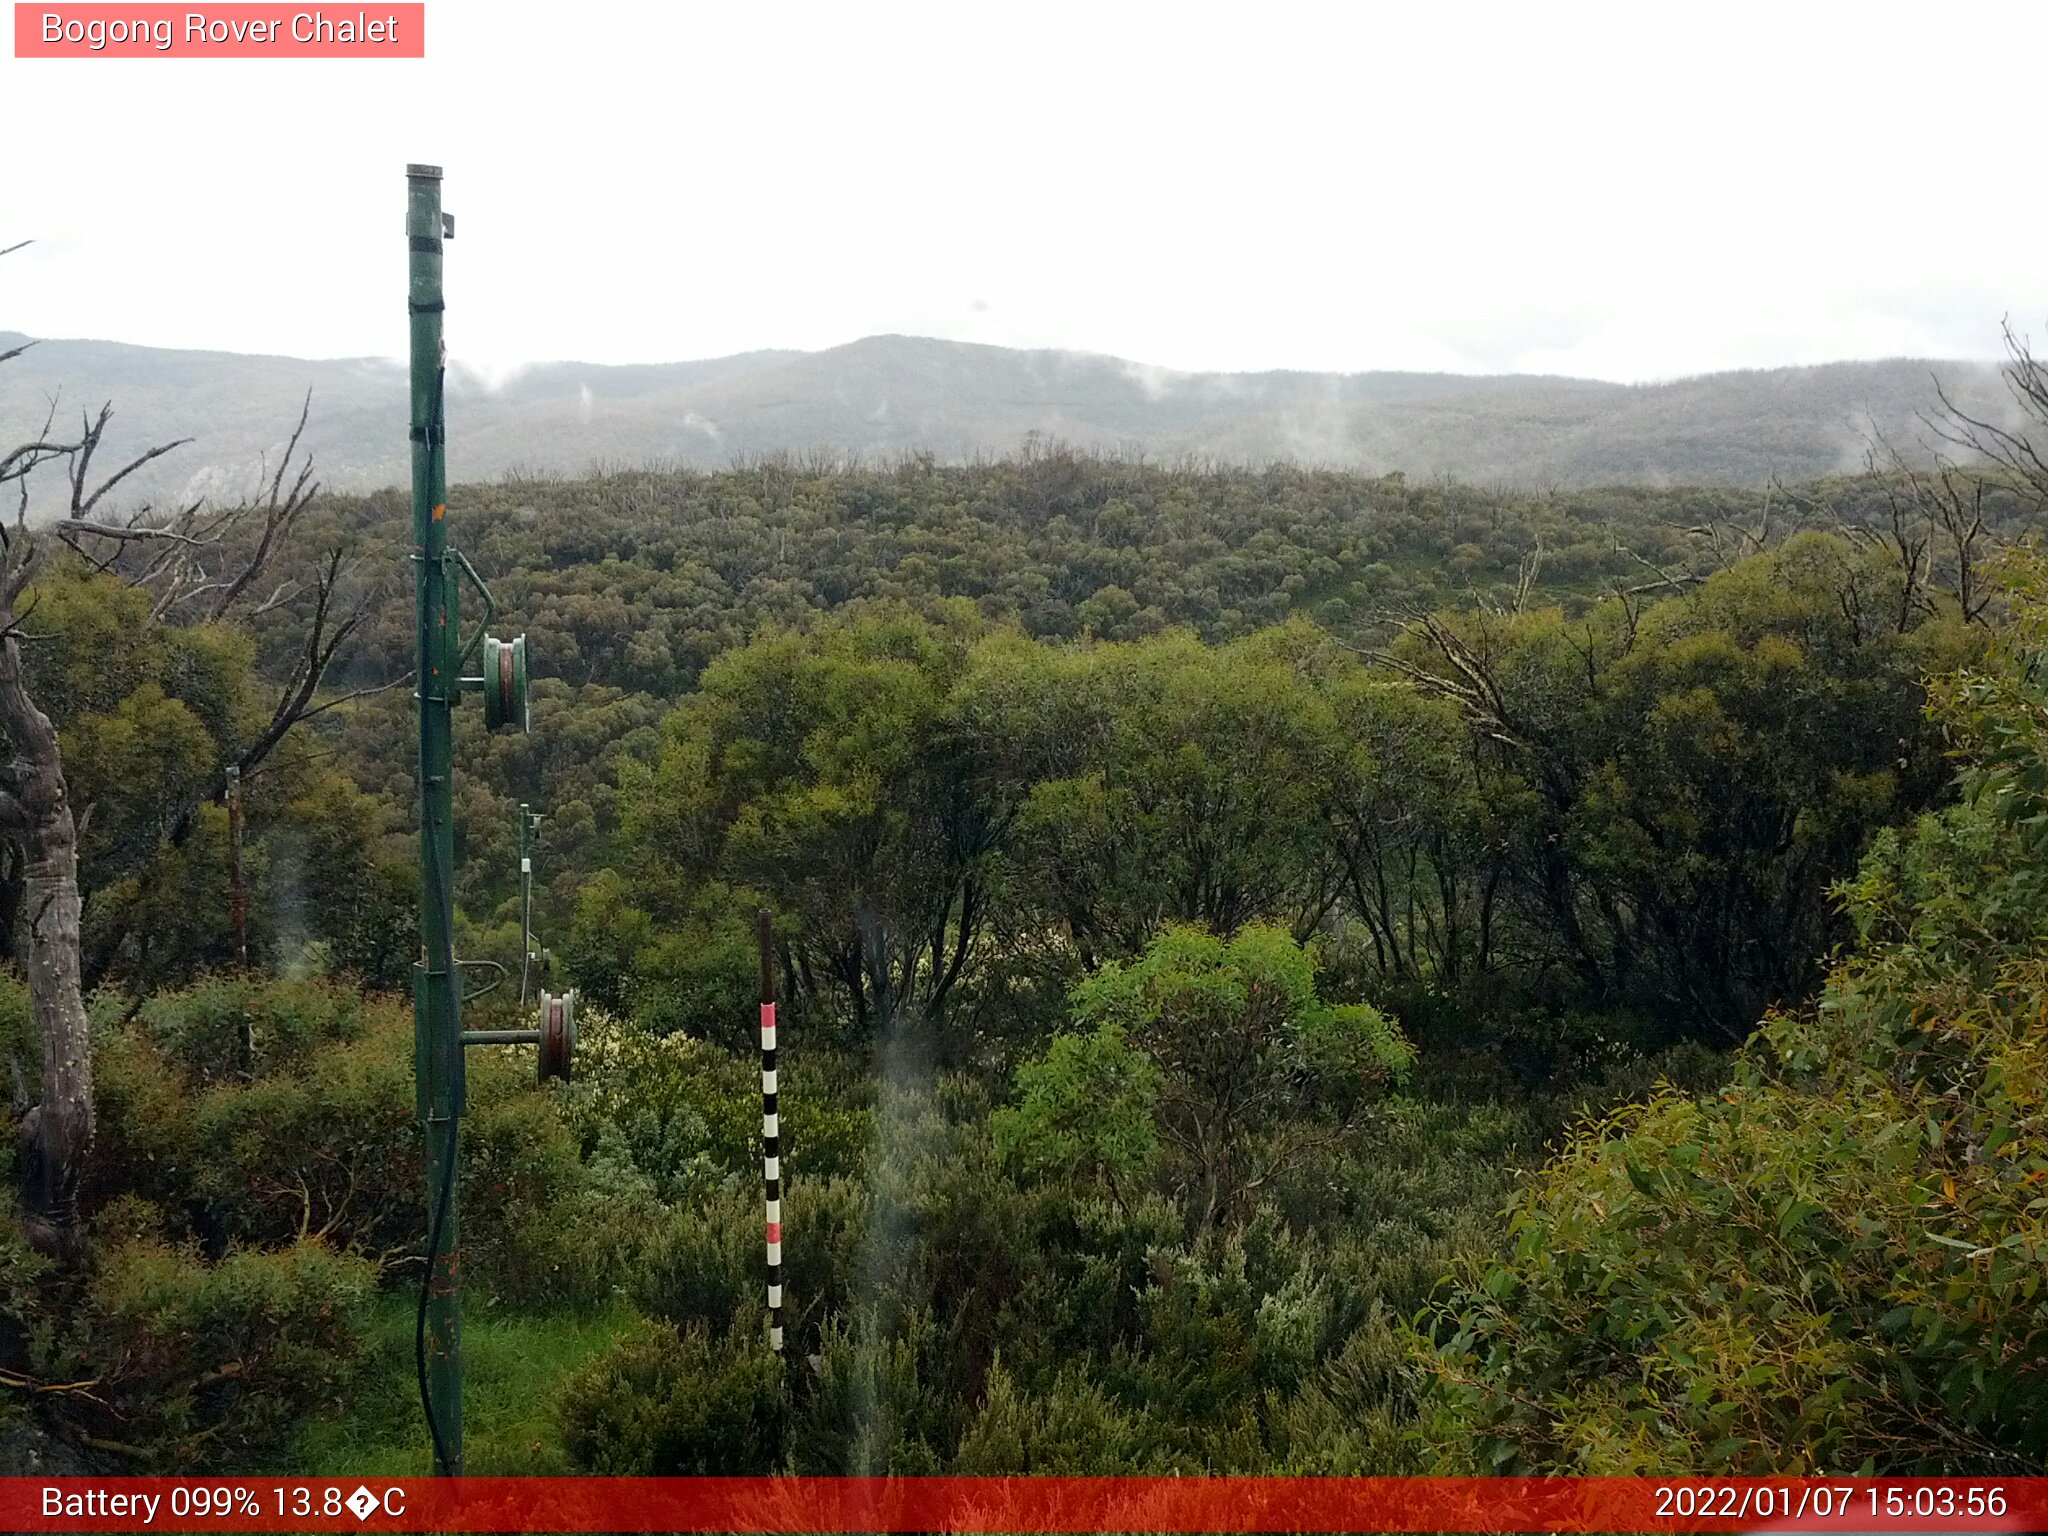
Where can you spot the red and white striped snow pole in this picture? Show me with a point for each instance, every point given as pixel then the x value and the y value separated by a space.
pixel 771 1136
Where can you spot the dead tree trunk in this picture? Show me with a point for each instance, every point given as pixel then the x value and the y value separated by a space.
pixel 35 810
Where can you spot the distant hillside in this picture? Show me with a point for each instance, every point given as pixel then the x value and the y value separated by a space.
pixel 887 395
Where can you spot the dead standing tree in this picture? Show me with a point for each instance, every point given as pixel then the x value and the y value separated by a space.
pixel 1938 528
pixel 36 816
pixel 2011 447
pixel 35 813
pixel 193 561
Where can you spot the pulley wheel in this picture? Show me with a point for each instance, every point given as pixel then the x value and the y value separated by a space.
pixel 505 682
pixel 557 1035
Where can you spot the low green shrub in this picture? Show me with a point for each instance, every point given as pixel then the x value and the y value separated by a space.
pixel 230 1028
pixel 664 1404
pixel 212 1364
pixel 1073 1429
pixel 322 1140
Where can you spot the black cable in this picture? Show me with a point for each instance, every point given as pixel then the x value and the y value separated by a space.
pixel 419 1338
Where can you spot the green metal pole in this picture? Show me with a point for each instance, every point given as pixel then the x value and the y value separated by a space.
pixel 437 988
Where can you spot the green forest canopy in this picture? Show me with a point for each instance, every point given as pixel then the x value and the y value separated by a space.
pixel 1076 782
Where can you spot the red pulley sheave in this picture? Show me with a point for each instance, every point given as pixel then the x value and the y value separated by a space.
pixel 557 1035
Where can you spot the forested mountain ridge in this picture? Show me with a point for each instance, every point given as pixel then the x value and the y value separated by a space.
pixel 885 396
pixel 636 579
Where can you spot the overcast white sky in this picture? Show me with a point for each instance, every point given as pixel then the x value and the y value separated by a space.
pixel 1626 192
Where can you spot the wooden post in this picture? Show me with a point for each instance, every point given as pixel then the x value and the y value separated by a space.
pixel 238 895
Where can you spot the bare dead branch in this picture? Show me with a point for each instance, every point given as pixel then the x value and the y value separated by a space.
pixel 78 509
pixel 280 510
pixel 353 695
pixel 1674 581
pixel 125 533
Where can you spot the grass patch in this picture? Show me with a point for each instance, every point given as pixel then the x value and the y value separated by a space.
pixel 514 1368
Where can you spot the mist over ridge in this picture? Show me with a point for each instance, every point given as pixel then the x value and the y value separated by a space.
pixel 887 395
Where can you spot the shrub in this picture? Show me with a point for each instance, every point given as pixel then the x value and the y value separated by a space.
pixel 322 1140
pixel 232 1028
pixel 706 1261
pixel 1223 1046
pixel 668 1404
pixel 880 1405
pixel 1084 1108
pixel 683 1112
pixel 325 1146
pixel 211 1365
pixel 1074 1429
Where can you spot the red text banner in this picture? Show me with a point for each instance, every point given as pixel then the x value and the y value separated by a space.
pixel 231 31
pixel 991 1504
